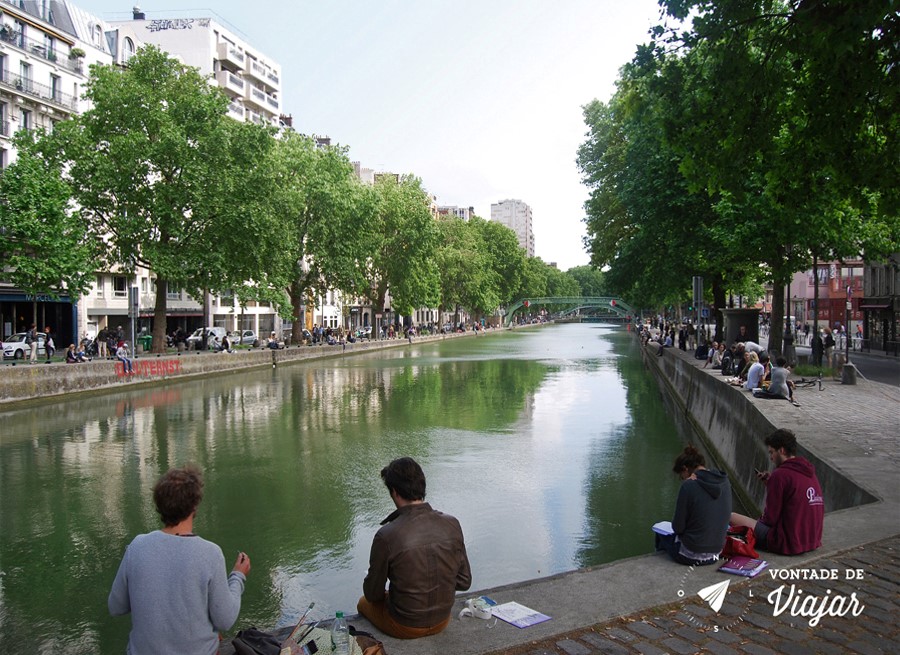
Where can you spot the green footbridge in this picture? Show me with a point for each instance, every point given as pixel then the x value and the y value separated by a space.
pixel 601 305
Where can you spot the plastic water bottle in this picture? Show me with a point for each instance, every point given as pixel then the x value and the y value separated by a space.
pixel 340 635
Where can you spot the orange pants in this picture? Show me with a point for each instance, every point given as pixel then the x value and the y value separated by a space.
pixel 381 618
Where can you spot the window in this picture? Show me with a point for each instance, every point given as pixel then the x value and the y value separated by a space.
pixel 3 64
pixel 3 159
pixel 120 286
pixel 24 82
pixel 55 87
pixel 143 285
pixel 25 119
pixel 172 294
pixel 127 49
pixel 4 119
pixel 99 286
pixel 97 33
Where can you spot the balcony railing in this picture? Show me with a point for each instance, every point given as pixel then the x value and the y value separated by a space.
pixel 35 89
pixel 39 49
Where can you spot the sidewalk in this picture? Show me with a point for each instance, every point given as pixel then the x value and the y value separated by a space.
pixel 856 430
pixel 684 630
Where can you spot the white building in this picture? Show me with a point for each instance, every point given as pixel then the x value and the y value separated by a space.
pixel 516 215
pixel 464 213
pixel 251 79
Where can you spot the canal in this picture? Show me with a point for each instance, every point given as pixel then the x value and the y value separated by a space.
pixel 549 444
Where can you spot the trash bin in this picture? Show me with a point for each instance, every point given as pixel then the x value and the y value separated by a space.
pixel 146 343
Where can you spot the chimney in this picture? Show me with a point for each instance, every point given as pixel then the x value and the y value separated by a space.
pixel 137 13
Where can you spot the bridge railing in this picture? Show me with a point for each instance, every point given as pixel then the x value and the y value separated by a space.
pixel 616 305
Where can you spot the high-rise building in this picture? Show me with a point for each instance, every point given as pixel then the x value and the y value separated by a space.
pixel 251 80
pixel 516 215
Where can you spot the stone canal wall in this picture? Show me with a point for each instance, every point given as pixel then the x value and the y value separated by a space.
pixel 23 383
pixel 725 421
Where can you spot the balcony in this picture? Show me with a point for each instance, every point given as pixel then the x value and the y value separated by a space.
pixel 261 99
pixel 231 82
pixel 39 49
pixel 42 92
pixel 230 54
pixel 236 111
pixel 255 70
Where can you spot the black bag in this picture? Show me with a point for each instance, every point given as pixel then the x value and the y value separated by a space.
pixel 255 642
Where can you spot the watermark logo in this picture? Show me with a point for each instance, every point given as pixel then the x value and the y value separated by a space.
pixel 789 600
pixel 796 602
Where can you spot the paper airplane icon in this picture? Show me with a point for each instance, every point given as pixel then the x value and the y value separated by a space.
pixel 715 595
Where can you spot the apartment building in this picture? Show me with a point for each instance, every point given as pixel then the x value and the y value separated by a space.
pixel 464 213
pixel 46 50
pixel 251 80
pixel 516 215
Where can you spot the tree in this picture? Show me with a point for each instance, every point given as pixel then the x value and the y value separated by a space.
pixel 403 241
pixel 43 243
pixel 590 280
pixel 506 257
pixel 466 277
pixel 166 180
pixel 324 213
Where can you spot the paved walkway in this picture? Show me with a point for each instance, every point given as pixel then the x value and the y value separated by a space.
pixel 687 629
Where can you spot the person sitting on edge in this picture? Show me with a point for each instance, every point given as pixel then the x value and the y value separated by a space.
pixel 702 512
pixel 423 554
pixel 122 356
pixel 794 514
pixel 172 582
pixel 71 356
pixel 272 342
pixel 711 355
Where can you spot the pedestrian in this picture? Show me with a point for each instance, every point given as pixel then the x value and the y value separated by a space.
pixel 421 552
pixel 31 340
pixel 702 511
pixel 49 346
pixel 794 513
pixel 102 337
pixel 173 582
pixel 122 356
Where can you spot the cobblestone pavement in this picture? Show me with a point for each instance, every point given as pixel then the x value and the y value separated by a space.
pixel 685 629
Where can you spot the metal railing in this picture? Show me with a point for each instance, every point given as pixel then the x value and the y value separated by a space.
pixel 36 89
pixel 38 48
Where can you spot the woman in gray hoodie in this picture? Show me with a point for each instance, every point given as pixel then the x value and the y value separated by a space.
pixel 702 512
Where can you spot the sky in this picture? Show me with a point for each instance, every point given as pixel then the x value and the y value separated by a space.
pixel 481 99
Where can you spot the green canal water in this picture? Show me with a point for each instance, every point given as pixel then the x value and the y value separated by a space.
pixel 550 445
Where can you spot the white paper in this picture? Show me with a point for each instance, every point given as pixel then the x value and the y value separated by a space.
pixel 518 615
pixel 663 527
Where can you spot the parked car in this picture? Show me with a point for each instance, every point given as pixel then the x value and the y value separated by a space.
pixel 14 347
pixel 244 338
pixel 212 333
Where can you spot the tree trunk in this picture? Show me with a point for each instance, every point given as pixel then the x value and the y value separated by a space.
pixel 718 291
pixel 776 320
pixel 159 317
pixel 296 293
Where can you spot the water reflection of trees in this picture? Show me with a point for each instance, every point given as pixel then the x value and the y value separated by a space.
pixel 291 460
pixel 630 485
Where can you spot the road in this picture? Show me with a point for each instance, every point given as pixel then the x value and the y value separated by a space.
pixel 878 368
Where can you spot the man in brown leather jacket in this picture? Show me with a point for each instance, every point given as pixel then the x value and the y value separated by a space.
pixel 422 552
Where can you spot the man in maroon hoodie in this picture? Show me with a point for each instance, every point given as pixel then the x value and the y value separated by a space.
pixel 792 520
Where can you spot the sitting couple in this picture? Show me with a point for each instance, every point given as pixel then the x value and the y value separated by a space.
pixel 791 523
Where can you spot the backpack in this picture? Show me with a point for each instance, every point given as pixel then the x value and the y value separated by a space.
pixel 726 363
pixel 29 337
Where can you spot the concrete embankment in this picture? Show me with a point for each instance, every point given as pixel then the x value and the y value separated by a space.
pixel 23 383
pixel 849 432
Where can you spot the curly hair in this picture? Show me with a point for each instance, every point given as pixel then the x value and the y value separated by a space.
pixel 178 493
pixel 690 458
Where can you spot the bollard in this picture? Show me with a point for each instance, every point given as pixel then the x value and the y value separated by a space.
pixel 848 375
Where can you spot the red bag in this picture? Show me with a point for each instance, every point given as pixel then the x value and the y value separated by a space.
pixel 739 540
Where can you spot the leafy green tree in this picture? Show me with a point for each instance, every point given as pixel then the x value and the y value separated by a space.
pixel 466 278
pixel 590 280
pixel 402 247
pixel 506 257
pixel 323 212
pixel 43 243
pixel 166 180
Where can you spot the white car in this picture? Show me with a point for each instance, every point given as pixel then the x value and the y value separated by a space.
pixel 212 333
pixel 14 347
pixel 244 338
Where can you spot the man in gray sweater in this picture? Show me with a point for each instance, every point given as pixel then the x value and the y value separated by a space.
pixel 173 582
